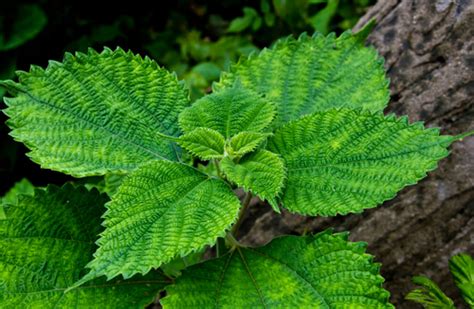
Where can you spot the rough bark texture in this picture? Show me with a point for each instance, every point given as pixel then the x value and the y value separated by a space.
pixel 429 50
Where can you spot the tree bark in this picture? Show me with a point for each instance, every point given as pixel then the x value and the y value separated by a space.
pixel 428 46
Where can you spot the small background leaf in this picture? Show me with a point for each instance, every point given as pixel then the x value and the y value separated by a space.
pixel 28 21
pixel 321 20
pixel 23 187
pixel 429 295
pixel 462 268
pixel 250 19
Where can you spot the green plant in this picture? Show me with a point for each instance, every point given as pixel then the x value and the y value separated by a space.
pixel 431 296
pixel 299 125
pixel 202 56
pixel 17 26
pixel 319 15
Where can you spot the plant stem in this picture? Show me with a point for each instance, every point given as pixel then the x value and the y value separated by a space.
pixel 242 212
pixel 218 169
pixel 232 241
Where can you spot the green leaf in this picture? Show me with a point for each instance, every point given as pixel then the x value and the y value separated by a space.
pixel 228 112
pixel 239 24
pixel 22 187
pixel 210 71
pixel 47 240
pixel 96 113
pixel 7 70
pixel 343 161
pixel 245 142
pixel 268 15
pixel 321 271
pixel 175 267
pixel 322 19
pixel 161 211
pixel 293 12
pixel 28 22
pixel 209 168
pixel 112 182
pixel 429 295
pixel 313 74
pixel 462 268
pixel 261 173
pixel 204 143
pixel 108 184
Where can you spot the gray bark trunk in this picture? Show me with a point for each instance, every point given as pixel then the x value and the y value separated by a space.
pixel 429 50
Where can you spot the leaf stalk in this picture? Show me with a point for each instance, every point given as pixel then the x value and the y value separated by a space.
pixel 242 213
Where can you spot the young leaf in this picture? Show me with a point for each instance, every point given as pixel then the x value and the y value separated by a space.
pixel 228 112
pixel 343 161
pixel 462 268
pixel 313 74
pixel 321 271
pixel 204 143
pixel 245 142
pixel 261 172
pixel 46 241
pixel 96 113
pixel 161 211
pixel 429 295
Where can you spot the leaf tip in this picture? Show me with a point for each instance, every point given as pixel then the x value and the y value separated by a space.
pixel 364 32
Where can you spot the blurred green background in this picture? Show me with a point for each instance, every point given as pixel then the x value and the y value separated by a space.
pixel 196 39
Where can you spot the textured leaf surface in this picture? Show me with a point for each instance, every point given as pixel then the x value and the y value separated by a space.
pixel 311 74
pixel 108 184
pixel 261 172
pixel 23 187
pixel 112 182
pixel 96 113
pixel 343 161
pixel 322 271
pixel 462 268
pixel 228 112
pixel 204 143
pixel 46 241
pixel 161 211
pixel 245 142
pixel 429 295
